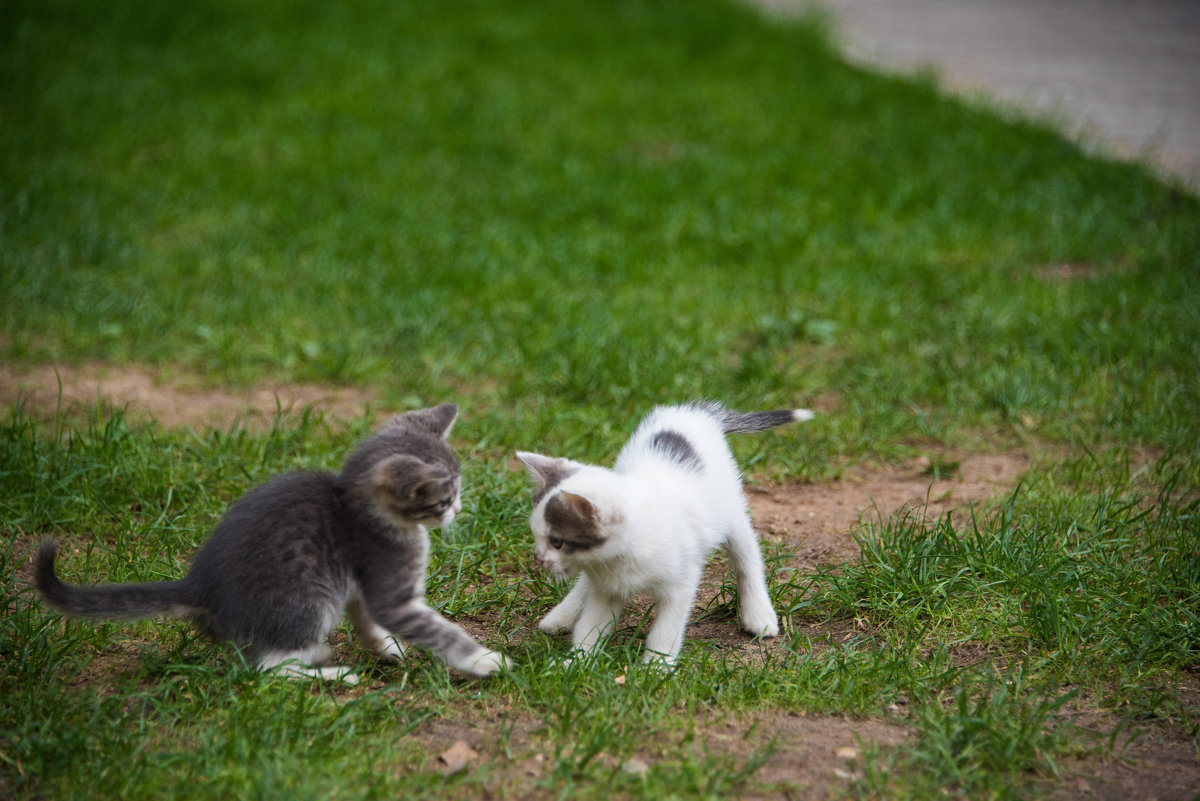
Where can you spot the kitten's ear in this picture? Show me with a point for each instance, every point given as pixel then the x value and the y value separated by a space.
pixel 397 469
pixel 583 508
pixel 404 475
pixel 437 420
pixel 547 470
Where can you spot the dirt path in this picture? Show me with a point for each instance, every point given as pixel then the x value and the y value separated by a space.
pixel 182 402
pixel 817 518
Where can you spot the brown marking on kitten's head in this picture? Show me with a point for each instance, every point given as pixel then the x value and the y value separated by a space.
pixel 572 523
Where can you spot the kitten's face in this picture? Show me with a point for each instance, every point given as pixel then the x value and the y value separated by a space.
pixel 442 508
pixel 568 533
pixel 569 528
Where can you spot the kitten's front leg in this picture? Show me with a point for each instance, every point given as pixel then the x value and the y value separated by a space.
pixel 418 624
pixel 597 618
pixel 374 637
pixel 566 614
pixel 665 638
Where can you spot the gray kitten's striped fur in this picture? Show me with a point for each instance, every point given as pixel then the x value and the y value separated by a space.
pixel 291 555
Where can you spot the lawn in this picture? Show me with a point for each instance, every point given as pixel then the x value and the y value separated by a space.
pixel 557 216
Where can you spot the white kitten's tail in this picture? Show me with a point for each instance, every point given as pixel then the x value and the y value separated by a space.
pixel 746 422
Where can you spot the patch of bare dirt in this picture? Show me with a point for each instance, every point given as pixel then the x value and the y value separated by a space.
pixel 1154 762
pixel 807 756
pixel 812 756
pixel 174 403
pixel 816 519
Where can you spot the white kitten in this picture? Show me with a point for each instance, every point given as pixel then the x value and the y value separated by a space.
pixel 649 525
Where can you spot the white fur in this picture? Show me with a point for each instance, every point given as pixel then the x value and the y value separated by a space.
pixel 305 664
pixel 487 662
pixel 661 521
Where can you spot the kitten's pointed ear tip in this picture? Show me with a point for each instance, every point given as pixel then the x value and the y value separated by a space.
pixel 445 415
pixel 532 462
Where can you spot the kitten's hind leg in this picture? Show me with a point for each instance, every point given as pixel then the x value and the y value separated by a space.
pixel 565 615
pixel 374 637
pixel 301 664
pixel 757 613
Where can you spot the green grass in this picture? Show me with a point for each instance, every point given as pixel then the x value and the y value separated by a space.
pixel 1092 587
pixel 558 215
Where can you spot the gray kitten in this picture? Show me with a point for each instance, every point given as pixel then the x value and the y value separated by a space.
pixel 291 555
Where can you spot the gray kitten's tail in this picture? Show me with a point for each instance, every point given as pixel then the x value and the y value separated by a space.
pixel 746 422
pixel 112 601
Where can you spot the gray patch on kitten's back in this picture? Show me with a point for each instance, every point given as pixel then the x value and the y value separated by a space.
pixel 577 532
pixel 675 446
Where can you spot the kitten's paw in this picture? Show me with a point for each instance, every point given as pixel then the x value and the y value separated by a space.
pixel 389 651
pixel 556 624
pixel 764 626
pixel 294 669
pixel 654 659
pixel 489 662
pixel 343 674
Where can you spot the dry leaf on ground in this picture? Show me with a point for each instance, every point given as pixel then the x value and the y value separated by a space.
pixel 455 758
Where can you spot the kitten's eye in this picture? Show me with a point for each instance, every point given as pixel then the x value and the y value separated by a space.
pixel 556 543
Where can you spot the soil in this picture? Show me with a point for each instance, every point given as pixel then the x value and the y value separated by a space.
pixel 1151 763
pixel 812 756
pixel 183 401
pixel 816 519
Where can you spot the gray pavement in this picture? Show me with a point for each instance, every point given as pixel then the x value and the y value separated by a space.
pixel 1121 76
